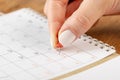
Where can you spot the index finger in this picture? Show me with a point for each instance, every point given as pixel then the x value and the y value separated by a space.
pixel 56 10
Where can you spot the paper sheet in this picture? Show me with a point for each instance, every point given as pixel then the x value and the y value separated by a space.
pixel 107 71
pixel 26 53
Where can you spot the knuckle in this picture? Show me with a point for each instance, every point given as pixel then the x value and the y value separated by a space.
pixel 79 25
pixel 60 2
pixel 114 4
pixel 83 22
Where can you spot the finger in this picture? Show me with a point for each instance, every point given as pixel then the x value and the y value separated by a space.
pixel 72 7
pixel 114 8
pixel 46 7
pixel 56 10
pixel 81 20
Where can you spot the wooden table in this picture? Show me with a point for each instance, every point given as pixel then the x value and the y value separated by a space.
pixel 106 29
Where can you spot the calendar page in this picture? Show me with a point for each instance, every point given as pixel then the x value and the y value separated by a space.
pixel 26 53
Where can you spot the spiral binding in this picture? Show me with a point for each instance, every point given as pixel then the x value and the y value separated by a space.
pixel 90 39
pixel 97 43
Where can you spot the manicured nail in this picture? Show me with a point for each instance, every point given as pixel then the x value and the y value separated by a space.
pixel 59 45
pixel 51 42
pixel 66 38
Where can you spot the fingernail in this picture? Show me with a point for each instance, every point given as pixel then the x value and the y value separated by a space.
pixel 51 42
pixel 66 38
pixel 59 45
pixel 54 43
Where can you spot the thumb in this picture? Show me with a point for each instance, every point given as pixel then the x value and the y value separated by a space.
pixel 81 20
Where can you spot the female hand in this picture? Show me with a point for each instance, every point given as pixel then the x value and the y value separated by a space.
pixel 69 19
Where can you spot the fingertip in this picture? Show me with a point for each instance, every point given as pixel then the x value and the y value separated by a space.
pixel 66 38
pixel 59 45
pixel 53 42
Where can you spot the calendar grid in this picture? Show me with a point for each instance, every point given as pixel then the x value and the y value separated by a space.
pixel 26 54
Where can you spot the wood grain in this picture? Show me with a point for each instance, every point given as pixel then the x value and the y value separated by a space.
pixel 106 29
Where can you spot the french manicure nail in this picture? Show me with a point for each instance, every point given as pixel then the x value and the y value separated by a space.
pixel 51 42
pixel 66 38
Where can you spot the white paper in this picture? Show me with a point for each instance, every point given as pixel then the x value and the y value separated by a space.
pixel 107 71
pixel 27 54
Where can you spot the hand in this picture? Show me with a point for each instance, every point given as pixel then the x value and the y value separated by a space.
pixel 69 19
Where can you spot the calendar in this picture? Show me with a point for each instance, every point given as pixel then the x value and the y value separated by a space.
pixel 26 53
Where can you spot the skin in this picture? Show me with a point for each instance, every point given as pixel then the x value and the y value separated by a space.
pixel 76 15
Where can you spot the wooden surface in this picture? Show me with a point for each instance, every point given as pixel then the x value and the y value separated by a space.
pixel 106 29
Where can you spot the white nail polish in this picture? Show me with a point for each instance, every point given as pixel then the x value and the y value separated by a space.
pixel 66 38
pixel 51 42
